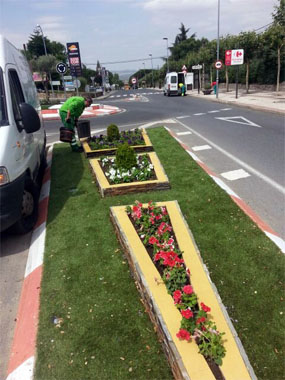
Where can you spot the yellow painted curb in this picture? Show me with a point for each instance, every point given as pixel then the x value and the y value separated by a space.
pixel 110 151
pixel 235 364
pixel 161 183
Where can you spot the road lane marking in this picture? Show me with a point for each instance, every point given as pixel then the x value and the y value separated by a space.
pixel 198 114
pixel 214 111
pixel 183 117
pixel 249 168
pixel 233 119
pixel 201 147
pixel 225 109
pixel 184 133
pixel 235 174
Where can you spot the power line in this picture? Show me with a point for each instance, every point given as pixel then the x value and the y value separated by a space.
pixel 131 60
pixel 263 26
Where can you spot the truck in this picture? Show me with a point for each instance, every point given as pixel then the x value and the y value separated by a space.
pixel 22 142
pixel 171 83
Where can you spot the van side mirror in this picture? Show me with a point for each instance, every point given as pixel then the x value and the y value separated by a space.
pixel 30 118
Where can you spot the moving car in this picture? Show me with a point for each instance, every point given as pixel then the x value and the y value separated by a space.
pixel 22 142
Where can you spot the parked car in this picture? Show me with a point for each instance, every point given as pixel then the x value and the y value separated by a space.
pixel 171 83
pixel 22 142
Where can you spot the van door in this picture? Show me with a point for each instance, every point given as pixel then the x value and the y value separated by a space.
pixel 173 83
pixel 26 154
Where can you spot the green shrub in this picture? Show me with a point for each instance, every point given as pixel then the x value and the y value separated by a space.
pixel 125 157
pixel 113 132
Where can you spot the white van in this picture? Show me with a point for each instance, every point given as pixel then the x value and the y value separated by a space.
pixel 22 142
pixel 171 83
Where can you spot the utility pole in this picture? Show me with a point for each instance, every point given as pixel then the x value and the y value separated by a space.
pixel 151 70
pixel 218 51
pixel 45 48
pixel 165 38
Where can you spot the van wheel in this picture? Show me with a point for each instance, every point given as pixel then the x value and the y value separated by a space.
pixel 29 208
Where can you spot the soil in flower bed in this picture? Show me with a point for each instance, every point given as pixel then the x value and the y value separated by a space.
pixel 140 217
pixel 143 171
pixel 132 138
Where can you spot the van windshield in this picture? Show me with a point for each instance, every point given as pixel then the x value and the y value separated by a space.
pixel 3 109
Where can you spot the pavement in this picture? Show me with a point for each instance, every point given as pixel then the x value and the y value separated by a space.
pixel 270 101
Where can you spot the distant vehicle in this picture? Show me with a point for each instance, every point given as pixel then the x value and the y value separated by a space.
pixel 171 83
pixel 22 142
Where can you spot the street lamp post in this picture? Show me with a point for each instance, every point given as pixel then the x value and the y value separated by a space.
pixel 151 70
pixel 144 73
pixel 165 38
pixel 218 51
pixel 45 48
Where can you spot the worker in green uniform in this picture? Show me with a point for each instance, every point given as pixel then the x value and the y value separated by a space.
pixel 69 113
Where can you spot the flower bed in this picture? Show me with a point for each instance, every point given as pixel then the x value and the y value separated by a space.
pixel 100 146
pixel 148 175
pixel 184 308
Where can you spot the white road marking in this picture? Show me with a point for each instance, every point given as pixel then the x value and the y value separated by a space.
pixel 198 114
pixel 183 117
pixel 214 111
pixel 233 119
pixel 225 109
pixel 184 133
pixel 235 174
pixel 201 147
pixel 266 179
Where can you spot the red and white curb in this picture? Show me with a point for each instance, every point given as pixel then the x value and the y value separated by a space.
pixel 22 357
pixel 247 210
pixel 94 110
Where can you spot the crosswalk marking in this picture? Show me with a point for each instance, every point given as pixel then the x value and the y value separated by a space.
pixel 235 174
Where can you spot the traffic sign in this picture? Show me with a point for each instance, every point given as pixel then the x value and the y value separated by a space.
pixel 197 67
pixel 234 57
pixel 134 80
pixel 77 83
pixel 184 68
pixel 61 68
pixel 218 65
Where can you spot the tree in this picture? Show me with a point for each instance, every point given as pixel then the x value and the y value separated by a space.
pixel 249 42
pixel 275 36
pixel 45 64
pixel 182 36
pixel 36 47
pixel 279 14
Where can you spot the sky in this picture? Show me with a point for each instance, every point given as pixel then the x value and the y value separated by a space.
pixel 126 30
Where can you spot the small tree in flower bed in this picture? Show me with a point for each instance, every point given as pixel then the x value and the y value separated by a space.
pixel 155 230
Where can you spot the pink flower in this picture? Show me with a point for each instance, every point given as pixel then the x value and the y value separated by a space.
pixel 183 334
pixel 205 308
pixel 170 241
pixel 158 217
pixel 188 289
pixel 200 320
pixel 177 296
pixel 187 313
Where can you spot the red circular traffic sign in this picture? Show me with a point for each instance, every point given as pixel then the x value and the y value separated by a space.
pixel 218 64
pixel 134 80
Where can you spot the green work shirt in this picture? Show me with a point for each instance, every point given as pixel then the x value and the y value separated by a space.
pixel 75 105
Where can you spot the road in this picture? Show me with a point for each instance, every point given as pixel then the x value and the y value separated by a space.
pixel 245 148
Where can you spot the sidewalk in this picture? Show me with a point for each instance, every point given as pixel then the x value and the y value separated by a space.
pixel 269 101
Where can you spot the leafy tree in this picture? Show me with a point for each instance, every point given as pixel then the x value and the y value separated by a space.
pixel 45 64
pixel 182 36
pixel 35 47
pixel 250 43
pixel 279 14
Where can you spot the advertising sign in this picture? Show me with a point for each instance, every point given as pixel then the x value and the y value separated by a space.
pixel 73 54
pixel 234 57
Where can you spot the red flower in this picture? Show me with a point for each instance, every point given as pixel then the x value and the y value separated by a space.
pixel 177 296
pixel 205 308
pixel 183 334
pixel 170 241
pixel 152 240
pixel 188 289
pixel 158 217
pixel 164 211
pixel 157 256
pixel 187 313
pixel 200 320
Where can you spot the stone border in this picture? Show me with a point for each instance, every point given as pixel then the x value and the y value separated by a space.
pixel 104 152
pixel 184 359
pixel 161 183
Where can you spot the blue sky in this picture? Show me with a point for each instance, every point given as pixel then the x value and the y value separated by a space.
pixel 118 30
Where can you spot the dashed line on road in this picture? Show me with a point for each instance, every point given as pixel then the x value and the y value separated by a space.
pixel 233 175
pixel 184 133
pixel 182 117
pixel 214 111
pixel 199 114
pixel 201 147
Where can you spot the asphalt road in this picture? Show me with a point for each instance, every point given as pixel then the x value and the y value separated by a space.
pixel 225 138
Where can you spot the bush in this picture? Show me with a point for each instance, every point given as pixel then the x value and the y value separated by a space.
pixel 125 157
pixel 113 132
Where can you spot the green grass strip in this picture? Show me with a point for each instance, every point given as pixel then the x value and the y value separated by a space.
pixel 104 332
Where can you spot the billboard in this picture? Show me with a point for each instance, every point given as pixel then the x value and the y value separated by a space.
pixel 73 54
pixel 234 57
